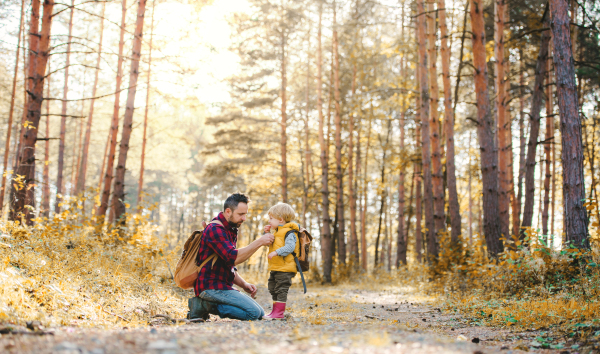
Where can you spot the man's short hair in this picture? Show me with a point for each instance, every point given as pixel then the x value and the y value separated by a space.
pixel 233 200
pixel 282 211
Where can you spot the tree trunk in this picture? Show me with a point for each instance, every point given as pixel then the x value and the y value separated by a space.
pixel 363 210
pixel 39 44
pixel 284 191
pixel 436 150
pixel 502 120
pixel 352 195
pixel 383 193
pixel 485 131
pixel 11 110
pixel 81 176
pixel 453 205
pixel 401 238
pixel 469 191
pixel 338 145
pixel 425 131
pixel 119 188
pixel 534 123
pixel 63 119
pixel 143 157
pixel 522 145
pixel 46 172
pixel 409 216
pixel 549 139
pixel 108 177
pixel 573 175
pixel 324 145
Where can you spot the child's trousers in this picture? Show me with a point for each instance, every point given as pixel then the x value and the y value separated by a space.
pixel 279 285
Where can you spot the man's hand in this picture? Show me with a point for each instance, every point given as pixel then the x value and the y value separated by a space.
pixel 267 239
pixel 272 254
pixel 250 289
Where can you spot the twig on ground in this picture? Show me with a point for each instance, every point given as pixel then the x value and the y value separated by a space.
pixel 374 317
pixel 114 314
pixel 184 320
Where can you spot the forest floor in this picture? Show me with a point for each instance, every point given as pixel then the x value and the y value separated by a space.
pixel 346 318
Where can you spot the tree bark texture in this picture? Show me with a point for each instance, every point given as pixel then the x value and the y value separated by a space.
pixel 352 191
pixel 60 184
pixel 81 176
pixel 453 204
pixel 119 188
pixel 437 174
pixel 570 121
pixel 46 171
pixel 363 210
pixel 108 177
pixel 534 132
pixel 401 240
pixel 549 141
pixel 22 194
pixel 338 146
pixel 485 132
pixel 502 120
pixel 284 173
pixel 11 109
pixel 324 145
pixel 432 250
pixel 522 144
pixel 145 134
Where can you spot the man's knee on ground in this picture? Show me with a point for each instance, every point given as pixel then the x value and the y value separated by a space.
pixel 253 314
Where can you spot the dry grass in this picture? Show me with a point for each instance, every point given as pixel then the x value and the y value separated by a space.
pixel 61 272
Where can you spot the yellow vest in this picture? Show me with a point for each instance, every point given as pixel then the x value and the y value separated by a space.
pixel 287 263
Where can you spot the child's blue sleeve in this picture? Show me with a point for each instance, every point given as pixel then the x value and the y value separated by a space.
pixel 290 245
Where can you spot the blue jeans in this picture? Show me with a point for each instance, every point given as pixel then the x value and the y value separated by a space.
pixel 233 304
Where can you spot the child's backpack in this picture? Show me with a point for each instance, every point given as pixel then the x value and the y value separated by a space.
pixel 303 258
pixel 186 272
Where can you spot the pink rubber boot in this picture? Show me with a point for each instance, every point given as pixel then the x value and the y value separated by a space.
pixel 277 313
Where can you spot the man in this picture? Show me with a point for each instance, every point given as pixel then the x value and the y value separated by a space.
pixel 214 288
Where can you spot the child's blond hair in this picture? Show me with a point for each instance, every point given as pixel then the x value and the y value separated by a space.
pixel 282 211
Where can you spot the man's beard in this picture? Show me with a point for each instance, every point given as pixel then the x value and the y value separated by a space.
pixel 233 224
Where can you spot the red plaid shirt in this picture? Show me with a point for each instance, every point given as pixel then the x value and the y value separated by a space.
pixel 221 240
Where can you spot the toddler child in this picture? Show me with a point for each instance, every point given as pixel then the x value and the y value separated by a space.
pixel 281 260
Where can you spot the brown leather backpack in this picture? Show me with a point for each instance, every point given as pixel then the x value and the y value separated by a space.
pixel 187 269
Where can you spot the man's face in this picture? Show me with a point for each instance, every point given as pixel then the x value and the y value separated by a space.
pixel 238 216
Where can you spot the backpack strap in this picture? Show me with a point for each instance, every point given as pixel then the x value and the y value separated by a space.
pixel 213 257
pixel 296 258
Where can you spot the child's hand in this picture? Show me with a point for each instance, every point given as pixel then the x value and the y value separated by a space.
pixel 267 228
pixel 272 254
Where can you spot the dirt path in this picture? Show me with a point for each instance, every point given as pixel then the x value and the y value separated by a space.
pixel 340 319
